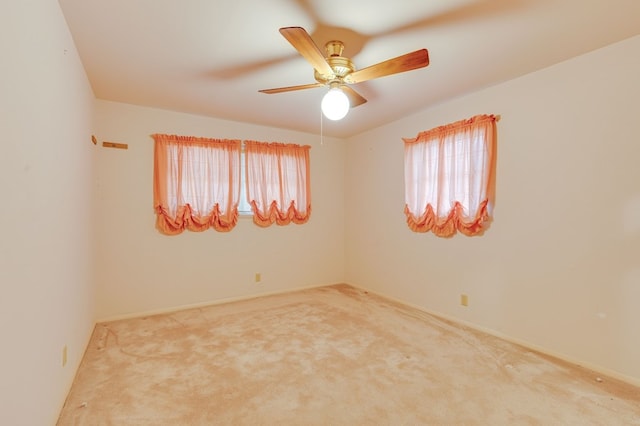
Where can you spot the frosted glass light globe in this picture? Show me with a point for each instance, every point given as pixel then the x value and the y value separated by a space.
pixel 335 104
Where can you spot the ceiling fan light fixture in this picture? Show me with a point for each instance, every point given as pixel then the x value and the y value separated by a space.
pixel 338 72
pixel 335 104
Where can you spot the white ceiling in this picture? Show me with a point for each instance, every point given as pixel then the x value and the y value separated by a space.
pixel 210 57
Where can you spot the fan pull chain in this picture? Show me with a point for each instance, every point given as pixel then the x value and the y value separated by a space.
pixel 321 133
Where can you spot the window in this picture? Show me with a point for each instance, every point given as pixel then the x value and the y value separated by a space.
pixel 278 184
pixel 202 183
pixel 449 177
pixel 196 183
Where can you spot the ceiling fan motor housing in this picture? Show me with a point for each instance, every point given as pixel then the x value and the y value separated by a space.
pixel 340 65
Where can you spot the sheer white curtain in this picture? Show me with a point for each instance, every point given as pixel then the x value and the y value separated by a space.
pixel 449 177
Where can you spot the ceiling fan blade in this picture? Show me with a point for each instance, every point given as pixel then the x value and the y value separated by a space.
pixel 355 98
pixel 291 88
pixel 407 62
pixel 303 43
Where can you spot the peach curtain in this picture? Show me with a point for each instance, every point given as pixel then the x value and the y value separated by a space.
pixel 277 182
pixel 449 177
pixel 196 183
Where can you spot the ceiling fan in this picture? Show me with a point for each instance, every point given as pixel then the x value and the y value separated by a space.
pixel 338 72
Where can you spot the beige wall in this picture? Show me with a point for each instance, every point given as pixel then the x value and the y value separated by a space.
pixel 46 249
pixel 141 270
pixel 560 267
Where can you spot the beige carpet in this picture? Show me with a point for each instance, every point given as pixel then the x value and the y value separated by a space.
pixel 328 356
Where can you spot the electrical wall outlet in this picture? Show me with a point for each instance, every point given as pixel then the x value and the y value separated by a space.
pixel 464 300
pixel 258 277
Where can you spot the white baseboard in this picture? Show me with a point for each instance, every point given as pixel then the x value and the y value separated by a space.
pixel 562 357
pixel 177 308
pixel 596 368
